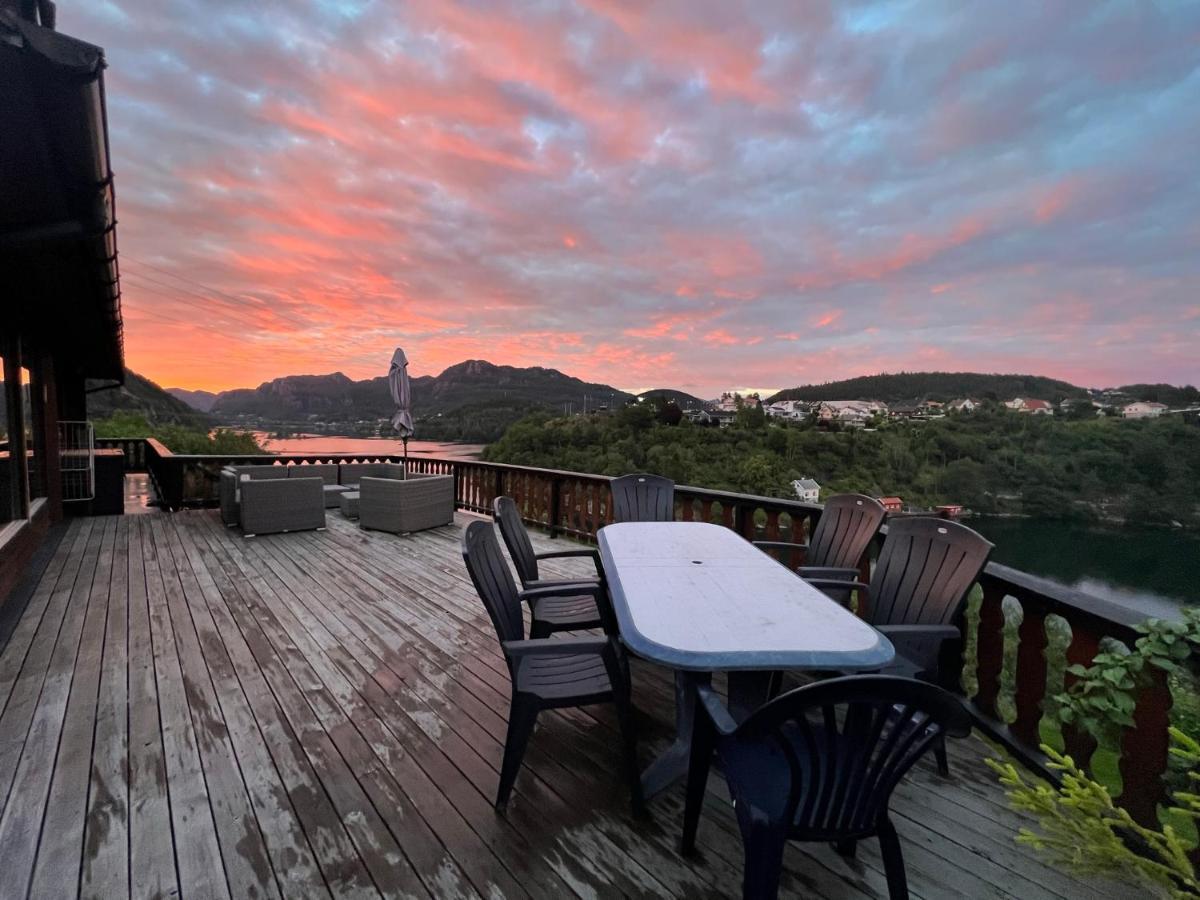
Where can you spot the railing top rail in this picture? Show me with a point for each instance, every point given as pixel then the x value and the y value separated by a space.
pixel 1113 618
pixel 158 447
pixel 1052 597
pixel 730 496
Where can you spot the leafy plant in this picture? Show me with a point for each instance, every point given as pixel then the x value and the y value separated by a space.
pixel 1081 828
pixel 1102 699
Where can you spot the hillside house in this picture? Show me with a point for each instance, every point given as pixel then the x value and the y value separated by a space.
pixel 851 413
pixel 792 410
pixel 892 504
pixel 1143 409
pixel 719 417
pixel 1030 405
pixel 906 411
pixel 964 405
pixel 732 402
pixel 807 490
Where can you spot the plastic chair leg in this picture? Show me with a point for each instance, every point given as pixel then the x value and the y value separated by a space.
pixel 939 754
pixel 764 862
pixel 521 718
pixel 893 861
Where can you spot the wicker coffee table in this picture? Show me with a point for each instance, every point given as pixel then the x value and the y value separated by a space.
pixel 349 504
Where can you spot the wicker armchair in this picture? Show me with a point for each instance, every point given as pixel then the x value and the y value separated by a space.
pixel 420 502
pixel 229 488
pixel 271 505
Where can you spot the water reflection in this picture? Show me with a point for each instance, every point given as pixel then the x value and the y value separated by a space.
pixel 1150 569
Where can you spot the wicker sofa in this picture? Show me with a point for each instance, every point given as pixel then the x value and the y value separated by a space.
pixel 351 474
pixel 271 499
pixel 420 502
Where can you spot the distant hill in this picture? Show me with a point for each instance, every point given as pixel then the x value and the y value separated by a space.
pixel 679 398
pixel 142 395
pixel 934 386
pixel 201 400
pixel 1163 393
pixel 473 400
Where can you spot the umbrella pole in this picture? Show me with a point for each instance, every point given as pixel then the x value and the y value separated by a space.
pixel 405 440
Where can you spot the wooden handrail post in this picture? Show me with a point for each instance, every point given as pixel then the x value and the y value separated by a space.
pixel 555 503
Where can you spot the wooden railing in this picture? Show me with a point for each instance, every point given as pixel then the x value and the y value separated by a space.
pixel 1025 628
pixel 134 449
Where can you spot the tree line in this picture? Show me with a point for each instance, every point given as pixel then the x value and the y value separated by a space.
pixel 990 461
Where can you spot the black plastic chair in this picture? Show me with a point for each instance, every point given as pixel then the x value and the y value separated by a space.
pixel 842 534
pixel 546 673
pixel 576 605
pixel 818 764
pixel 917 593
pixel 643 498
pixel 524 557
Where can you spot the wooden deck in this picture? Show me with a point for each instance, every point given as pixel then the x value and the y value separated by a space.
pixel 187 712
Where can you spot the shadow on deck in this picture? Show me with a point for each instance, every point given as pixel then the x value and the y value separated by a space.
pixel 186 711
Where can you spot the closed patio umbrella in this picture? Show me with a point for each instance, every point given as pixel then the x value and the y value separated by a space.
pixel 402 419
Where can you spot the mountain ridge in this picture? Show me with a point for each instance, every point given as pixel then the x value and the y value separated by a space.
pixel 901 386
pixel 198 400
pixel 140 394
pixel 472 400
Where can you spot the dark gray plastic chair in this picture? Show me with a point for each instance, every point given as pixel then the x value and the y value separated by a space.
pixel 818 764
pixel 917 593
pixel 643 498
pixel 578 605
pixel 843 532
pixel 520 548
pixel 547 673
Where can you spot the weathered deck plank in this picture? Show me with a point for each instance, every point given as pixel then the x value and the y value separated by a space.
pixel 184 711
pixel 59 856
pixel 106 830
pixel 151 846
pixel 21 821
pixel 194 832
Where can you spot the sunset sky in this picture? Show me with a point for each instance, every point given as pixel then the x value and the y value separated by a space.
pixel 689 194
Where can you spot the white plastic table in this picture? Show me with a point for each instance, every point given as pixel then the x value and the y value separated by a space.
pixel 698 598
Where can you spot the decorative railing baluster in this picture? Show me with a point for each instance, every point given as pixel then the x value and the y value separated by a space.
pixel 1030 677
pixel 990 649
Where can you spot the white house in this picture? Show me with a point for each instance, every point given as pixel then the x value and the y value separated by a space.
pixel 722 417
pixel 807 490
pixel 1030 405
pixel 964 405
pixel 787 409
pixel 850 412
pixel 1143 409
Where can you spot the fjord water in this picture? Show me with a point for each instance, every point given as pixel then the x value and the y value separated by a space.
pixel 1154 570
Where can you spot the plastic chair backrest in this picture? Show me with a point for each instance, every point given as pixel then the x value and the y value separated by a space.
pixel 493 580
pixel 643 498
